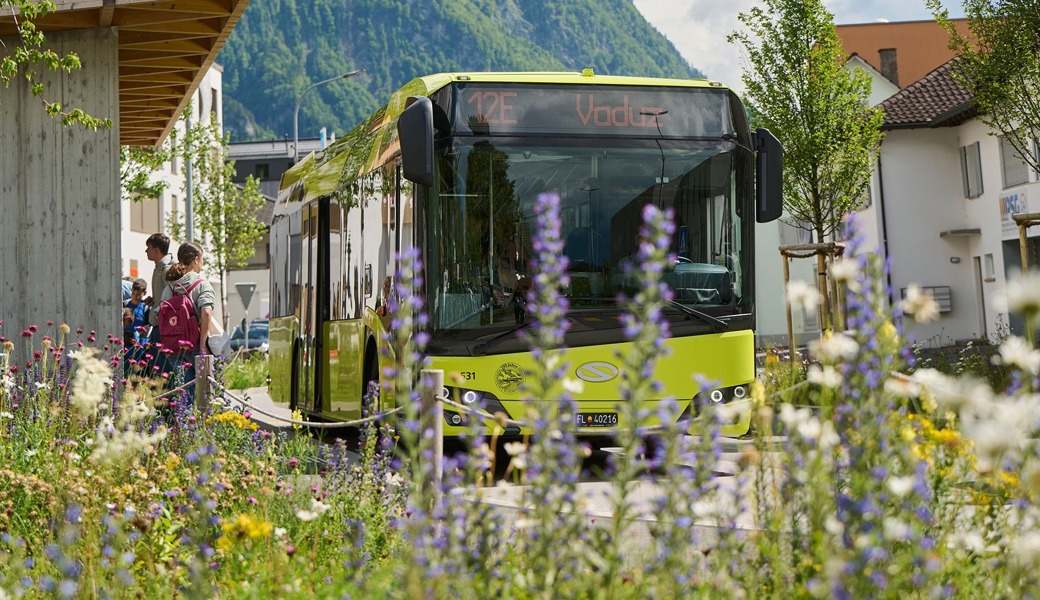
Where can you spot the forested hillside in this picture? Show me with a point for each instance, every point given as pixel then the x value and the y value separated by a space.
pixel 279 47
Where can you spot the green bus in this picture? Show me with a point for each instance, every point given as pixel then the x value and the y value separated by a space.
pixel 454 165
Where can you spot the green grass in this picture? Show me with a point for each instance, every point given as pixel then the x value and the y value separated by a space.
pixel 246 371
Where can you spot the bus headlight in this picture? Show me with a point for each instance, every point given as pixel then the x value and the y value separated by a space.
pixel 721 395
pixel 473 399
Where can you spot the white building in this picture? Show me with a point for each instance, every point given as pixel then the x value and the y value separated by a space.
pixel 946 187
pixel 141 219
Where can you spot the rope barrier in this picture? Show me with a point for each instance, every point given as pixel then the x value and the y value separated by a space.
pixel 174 390
pixel 311 424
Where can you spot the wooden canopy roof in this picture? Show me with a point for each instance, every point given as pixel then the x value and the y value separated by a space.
pixel 165 49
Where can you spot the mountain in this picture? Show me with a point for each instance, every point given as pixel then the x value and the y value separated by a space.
pixel 280 47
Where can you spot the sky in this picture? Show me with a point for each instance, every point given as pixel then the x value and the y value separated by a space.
pixel 698 28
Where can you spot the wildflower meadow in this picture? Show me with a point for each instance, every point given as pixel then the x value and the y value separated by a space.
pixel 876 477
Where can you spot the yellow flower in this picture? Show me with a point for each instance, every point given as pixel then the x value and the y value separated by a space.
pixel 235 419
pixel 172 461
pixel 246 526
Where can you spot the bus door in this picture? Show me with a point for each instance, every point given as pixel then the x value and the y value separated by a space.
pixel 308 306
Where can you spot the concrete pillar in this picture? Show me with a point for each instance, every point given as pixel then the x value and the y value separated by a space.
pixel 59 195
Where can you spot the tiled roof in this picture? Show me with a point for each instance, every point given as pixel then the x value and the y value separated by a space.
pixel 935 100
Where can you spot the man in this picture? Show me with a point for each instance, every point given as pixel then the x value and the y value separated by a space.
pixel 157 249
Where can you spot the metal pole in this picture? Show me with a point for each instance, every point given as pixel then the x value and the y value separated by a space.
pixel 299 101
pixel 189 227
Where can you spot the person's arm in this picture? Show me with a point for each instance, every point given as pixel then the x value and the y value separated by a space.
pixel 207 314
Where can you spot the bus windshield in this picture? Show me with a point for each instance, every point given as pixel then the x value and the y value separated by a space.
pixel 480 223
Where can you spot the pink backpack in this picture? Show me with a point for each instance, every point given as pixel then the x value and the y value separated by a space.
pixel 178 324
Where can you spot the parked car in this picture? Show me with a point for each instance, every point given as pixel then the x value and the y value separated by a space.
pixel 258 337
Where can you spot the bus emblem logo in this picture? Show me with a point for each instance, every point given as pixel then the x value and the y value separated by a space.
pixel 597 372
pixel 510 378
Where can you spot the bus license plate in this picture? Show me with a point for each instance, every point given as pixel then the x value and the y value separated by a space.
pixel 597 419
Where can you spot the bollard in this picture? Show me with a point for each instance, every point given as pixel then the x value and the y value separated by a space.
pixel 203 371
pixel 432 387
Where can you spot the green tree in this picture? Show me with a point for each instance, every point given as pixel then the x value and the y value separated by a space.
pixel 224 213
pixel 999 64
pixel 803 93
pixel 137 168
pixel 29 55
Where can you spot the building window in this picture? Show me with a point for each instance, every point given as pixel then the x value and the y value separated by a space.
pixel 971 170
pixel 133 268
pixel 262 171
pixel 173 163
pixel 144 215
pixel 1016 171
pixel 260 258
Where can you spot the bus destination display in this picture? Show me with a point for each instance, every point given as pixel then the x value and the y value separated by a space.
pixel 616 111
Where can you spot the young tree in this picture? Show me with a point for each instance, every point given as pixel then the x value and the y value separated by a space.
pixel 1000 65
pixel 803 93
pixel 24 59
pixel 224 213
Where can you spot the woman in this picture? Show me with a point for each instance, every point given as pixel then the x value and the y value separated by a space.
pixel 184 277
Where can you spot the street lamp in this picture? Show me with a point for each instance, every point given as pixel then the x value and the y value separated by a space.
pixel 296 113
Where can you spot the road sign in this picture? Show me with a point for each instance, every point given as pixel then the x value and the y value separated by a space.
pixel 245 291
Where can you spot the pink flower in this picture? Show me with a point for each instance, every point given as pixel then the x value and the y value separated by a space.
pixel 33 328
pixel 293 462
pixel 290 550
pixel 79 330
pixel 26 333
pixel 251 500
pixel 91 338
pixel 49 323
pixel 80 343
pixel 192 419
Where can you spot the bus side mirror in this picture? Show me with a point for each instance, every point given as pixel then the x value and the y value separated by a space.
pixel 415 132
pixel 769 172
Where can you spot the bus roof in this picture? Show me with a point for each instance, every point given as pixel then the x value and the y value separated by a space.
pixel 374 141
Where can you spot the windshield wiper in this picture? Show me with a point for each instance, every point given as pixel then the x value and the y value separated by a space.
pixel 716 323
pixel 482 348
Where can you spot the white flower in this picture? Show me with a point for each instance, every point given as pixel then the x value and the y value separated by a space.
pixel 920 306
pixel 827 376
pixel 802 294
pixel 794 417
pixel 515 448
pixel 900 486
pixel 573 386
pixel 810 429
pixel 317 509
pixel 31 453
pixel 6 415
pixel 1023 293
pixel 394 479
pixel 279 532
pixel 89 384
pixel 950 393
pixel 834 347
pixel 1025 549
pixel 7 382
pixel 896 530
pixel 846 270
pixel 40 385
pixel 1017 352
pixel 902 386
pixel 828 436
